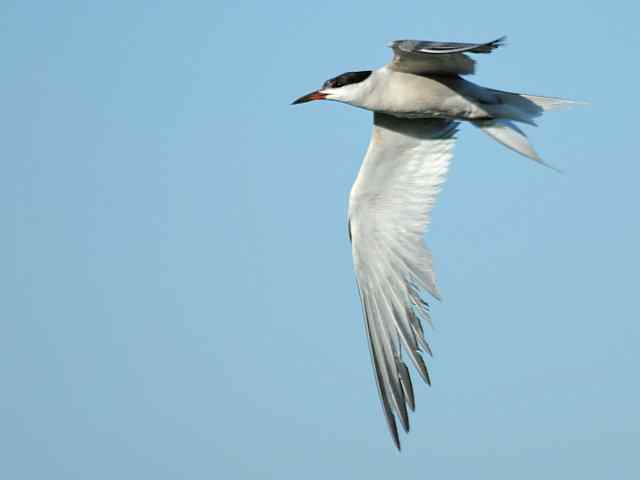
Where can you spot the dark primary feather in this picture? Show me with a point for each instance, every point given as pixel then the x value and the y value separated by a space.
pixel 376 354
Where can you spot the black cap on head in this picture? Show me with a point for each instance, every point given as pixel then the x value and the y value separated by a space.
pixel 346 79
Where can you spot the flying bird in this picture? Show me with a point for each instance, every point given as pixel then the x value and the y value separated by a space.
pixel 418 101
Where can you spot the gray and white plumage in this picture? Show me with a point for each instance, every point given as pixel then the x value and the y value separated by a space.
pixel 389 207
pixel 415 56
pixel 418 101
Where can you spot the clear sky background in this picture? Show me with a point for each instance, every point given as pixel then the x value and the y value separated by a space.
pixel 178 296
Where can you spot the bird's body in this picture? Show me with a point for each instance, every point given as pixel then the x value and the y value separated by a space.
pixel 418 101
pixel 409 95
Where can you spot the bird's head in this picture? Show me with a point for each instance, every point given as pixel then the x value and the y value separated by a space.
pixel 347 88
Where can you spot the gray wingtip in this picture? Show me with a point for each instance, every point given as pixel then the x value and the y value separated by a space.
pixel 500 42
pixel 395 436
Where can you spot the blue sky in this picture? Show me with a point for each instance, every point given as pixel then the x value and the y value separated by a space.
pixel 179 296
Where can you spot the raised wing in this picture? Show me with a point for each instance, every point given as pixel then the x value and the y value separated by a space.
pixel 389 207
pixel 444 58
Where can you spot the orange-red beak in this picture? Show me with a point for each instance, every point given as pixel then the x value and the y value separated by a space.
pixel 317 95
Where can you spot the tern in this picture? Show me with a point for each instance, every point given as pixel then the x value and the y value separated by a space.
pixel 418 101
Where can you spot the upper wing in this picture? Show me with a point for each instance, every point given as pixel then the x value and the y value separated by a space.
pixel 415 56
pixel 389 207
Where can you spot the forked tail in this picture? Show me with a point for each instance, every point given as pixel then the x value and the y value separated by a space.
pixel 517 107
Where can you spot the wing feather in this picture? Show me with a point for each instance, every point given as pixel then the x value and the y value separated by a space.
pixel 444 58
pixel 389 207
pixel 376 355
